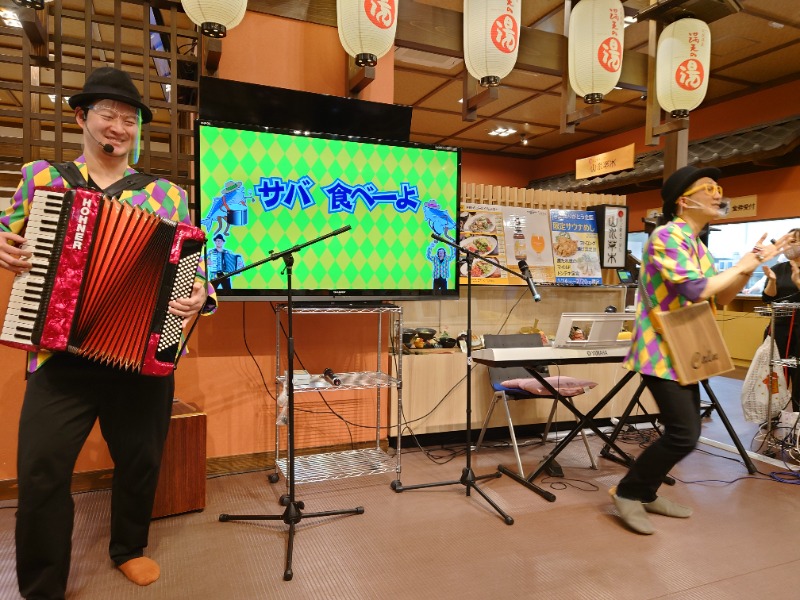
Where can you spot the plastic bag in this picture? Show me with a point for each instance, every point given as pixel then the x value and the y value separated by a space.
pixel 760 391
pixel 788 428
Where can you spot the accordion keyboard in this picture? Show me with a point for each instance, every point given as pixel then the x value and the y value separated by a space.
pixel 94 260
pixel 28 290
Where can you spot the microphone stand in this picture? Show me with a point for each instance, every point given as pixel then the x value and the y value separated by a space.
pixel 293 513
pixel 468 477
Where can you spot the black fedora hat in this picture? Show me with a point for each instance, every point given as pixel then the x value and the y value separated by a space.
pixel 112 84
pixel 680 181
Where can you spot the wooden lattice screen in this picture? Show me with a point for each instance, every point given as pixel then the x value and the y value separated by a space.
pixel 47 59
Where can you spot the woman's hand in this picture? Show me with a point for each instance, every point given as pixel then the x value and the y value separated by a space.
pixel 11 257
pixel 795 273
pixel 771 285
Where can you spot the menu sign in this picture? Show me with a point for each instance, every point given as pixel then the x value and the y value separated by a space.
pixel 529 240
pixel 612 232
pixel 559 246
pixel 481 230
pixel 575 247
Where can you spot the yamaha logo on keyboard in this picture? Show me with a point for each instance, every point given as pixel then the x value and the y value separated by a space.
pixel 597 353
pixel 83 218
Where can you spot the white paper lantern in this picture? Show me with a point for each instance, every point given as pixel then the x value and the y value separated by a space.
pixel 594 48
pixel 366 28
pixel 491 38
pixel 215 17
pixel 682 66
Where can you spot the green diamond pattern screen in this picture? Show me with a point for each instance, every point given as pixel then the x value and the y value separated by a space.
pixel 263 191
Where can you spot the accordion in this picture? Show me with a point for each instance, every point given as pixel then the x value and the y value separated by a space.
pixel 103 275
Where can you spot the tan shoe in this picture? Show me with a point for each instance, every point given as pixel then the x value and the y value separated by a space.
pixel 141 571
pixel 632 513
pixel 668 508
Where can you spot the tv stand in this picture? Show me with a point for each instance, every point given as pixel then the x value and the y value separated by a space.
pixel 349 463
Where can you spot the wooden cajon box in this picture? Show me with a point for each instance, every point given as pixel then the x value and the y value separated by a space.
pixel 182 481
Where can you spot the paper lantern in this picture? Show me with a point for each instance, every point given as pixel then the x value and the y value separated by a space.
pixel 366 28
pixel 491 38
pixel 215 17
pixel 682 66
pixel 594 48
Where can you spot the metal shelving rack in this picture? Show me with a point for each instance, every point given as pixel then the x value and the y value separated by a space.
pixel 349 463
pixel 778 309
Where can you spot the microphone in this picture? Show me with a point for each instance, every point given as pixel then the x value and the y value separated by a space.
pixel 526 273
pixel 107 148
pixel 330 377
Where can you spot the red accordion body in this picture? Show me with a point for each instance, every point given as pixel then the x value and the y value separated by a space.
pixel 103 275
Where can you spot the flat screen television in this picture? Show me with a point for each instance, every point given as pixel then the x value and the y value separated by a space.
pixel 262 190
pixel 269 106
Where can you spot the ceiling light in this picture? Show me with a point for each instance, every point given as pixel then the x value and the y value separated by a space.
pixel 215 17
pixel 10 18
pixel 366 30
pixel 594 48
pixel 502 131
pixel 491 39
pixel 682 66
pixel 34 4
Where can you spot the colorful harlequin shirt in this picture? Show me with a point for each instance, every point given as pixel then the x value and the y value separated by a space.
pixel 160 197
pixel 675 269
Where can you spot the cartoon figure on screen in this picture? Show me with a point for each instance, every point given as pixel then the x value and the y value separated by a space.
pixel 438 220
pixel 441 266
pixel 229 208
pixel 221 261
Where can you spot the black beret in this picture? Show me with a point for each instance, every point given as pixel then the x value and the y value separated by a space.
pixel 112 84
pixel 680 181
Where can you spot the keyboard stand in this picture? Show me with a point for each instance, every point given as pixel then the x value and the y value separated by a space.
pixel 584 421
pixel 748 463
pixel 627 460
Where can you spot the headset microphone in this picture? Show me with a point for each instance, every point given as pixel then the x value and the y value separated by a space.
pixel 107 148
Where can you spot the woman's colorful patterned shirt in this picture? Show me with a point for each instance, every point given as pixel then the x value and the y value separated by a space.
pixel 675 269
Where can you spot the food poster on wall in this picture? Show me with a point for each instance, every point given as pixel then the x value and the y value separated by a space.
pixel 481 231
pixel 528 239
pixel 575 247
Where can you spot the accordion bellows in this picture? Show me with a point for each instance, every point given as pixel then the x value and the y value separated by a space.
pixel 103 275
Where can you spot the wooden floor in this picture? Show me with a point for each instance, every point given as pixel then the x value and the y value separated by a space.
pixel 440 543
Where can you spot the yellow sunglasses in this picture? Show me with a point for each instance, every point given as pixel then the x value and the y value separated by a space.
pixel 710 189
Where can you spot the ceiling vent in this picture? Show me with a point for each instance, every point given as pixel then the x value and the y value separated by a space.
pixel 668 11
pixel 425 59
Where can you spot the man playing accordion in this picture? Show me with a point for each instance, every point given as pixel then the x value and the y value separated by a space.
pixel 66 394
